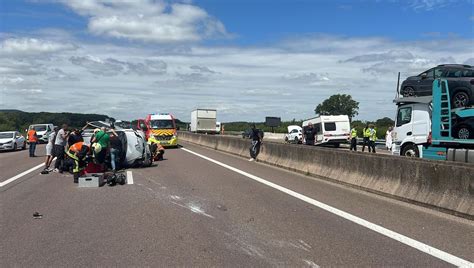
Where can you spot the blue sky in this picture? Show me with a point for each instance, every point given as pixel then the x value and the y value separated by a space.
pixel 229 55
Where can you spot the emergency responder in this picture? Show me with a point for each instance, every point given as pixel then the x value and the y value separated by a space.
pixel 354 139
pixel 372 138
pixel 157 150
pixel 366 135
pixel 309 134
pixel 78 152
pixel 32 140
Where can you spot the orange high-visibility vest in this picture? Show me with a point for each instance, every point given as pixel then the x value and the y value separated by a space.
pixel 32 136
pixel 76 147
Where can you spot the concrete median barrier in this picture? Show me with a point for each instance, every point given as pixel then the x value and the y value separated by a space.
pixel 446 185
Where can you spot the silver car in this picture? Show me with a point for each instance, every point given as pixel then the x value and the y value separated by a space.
pixel 12 140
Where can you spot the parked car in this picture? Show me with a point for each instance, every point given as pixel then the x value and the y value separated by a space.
pixel 294 135
pixel 42 131
pixel 12 140
pixel 460 82
pixel 463 128
pixel 247 134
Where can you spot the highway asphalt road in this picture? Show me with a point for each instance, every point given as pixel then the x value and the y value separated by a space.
pixel 190 211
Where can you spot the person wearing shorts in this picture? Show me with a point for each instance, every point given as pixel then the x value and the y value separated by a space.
pixel 49 150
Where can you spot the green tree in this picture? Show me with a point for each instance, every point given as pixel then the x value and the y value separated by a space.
pixel 339 104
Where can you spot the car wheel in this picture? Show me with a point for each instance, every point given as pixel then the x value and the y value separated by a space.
pixel 464 132
pixel 408 92
pixel 410 150
pixel 296 140
pixel 460 99
pixel 15 147
pixel 24 146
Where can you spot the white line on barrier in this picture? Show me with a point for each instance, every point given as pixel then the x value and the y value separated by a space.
pixel 372 226
pixel 12 179
pixel 129 177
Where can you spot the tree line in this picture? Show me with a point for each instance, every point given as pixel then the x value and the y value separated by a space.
pixel 11 120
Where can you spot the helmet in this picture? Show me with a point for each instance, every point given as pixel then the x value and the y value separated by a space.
pixel 97 147
pixel 96 130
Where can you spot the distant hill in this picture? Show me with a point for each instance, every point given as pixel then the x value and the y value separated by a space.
pixel 19 120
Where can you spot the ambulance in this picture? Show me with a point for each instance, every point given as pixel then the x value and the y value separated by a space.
pixel 162 127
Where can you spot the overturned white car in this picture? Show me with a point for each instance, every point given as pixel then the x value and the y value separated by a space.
pixel 135 149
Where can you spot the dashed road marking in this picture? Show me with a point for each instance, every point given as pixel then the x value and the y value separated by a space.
pixel 129 177
pixel 371 226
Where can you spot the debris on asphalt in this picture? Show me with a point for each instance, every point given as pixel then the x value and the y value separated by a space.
pixel 36 215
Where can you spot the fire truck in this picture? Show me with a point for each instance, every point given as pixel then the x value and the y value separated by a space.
pixel 162 127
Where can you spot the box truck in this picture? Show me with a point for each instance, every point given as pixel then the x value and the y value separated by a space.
pixel 203 121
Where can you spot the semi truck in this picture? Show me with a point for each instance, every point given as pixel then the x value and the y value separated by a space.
pixel 428 127
pixel 162 127
pixel 203 121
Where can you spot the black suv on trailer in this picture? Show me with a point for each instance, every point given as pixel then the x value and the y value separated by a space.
pixel 460 81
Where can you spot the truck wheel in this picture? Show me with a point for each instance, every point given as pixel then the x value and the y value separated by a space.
pixel 460 99
pixel 464 132
pixel 410 150
pixel 408 92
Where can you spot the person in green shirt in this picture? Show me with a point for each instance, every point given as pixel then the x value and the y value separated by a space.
pixel 100 144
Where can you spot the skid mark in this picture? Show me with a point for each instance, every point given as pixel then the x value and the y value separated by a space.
pixel 194 208
pixel 310 263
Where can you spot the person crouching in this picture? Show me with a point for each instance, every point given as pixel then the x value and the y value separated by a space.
pixel 78 153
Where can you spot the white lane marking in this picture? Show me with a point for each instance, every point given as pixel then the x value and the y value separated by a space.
pixel 14 178
pixel 372 226
pixel 129 177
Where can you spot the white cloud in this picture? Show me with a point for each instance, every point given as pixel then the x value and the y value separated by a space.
pixel 429 4
pixel 112 67
pixel 287 79
pixel 147 20
pixel 32 46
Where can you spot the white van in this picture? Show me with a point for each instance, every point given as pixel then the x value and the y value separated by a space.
pixel 330 129
pixel 42 131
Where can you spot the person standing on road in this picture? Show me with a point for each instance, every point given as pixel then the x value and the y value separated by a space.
pixel 388 138
pixel 372 138
pixel 115 149
pixel 59 148
pixel 32 140
pixel 309 134
pixel 256 137
pixel 354 139
pixel 100 143
pixel 366 135
pixel 49 149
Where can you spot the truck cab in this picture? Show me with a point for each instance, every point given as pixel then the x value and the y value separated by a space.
pixel 162 127
pixel 412 125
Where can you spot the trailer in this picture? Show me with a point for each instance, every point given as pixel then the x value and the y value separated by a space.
pixel 427 127
pixel 203 121
pixel 330 129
